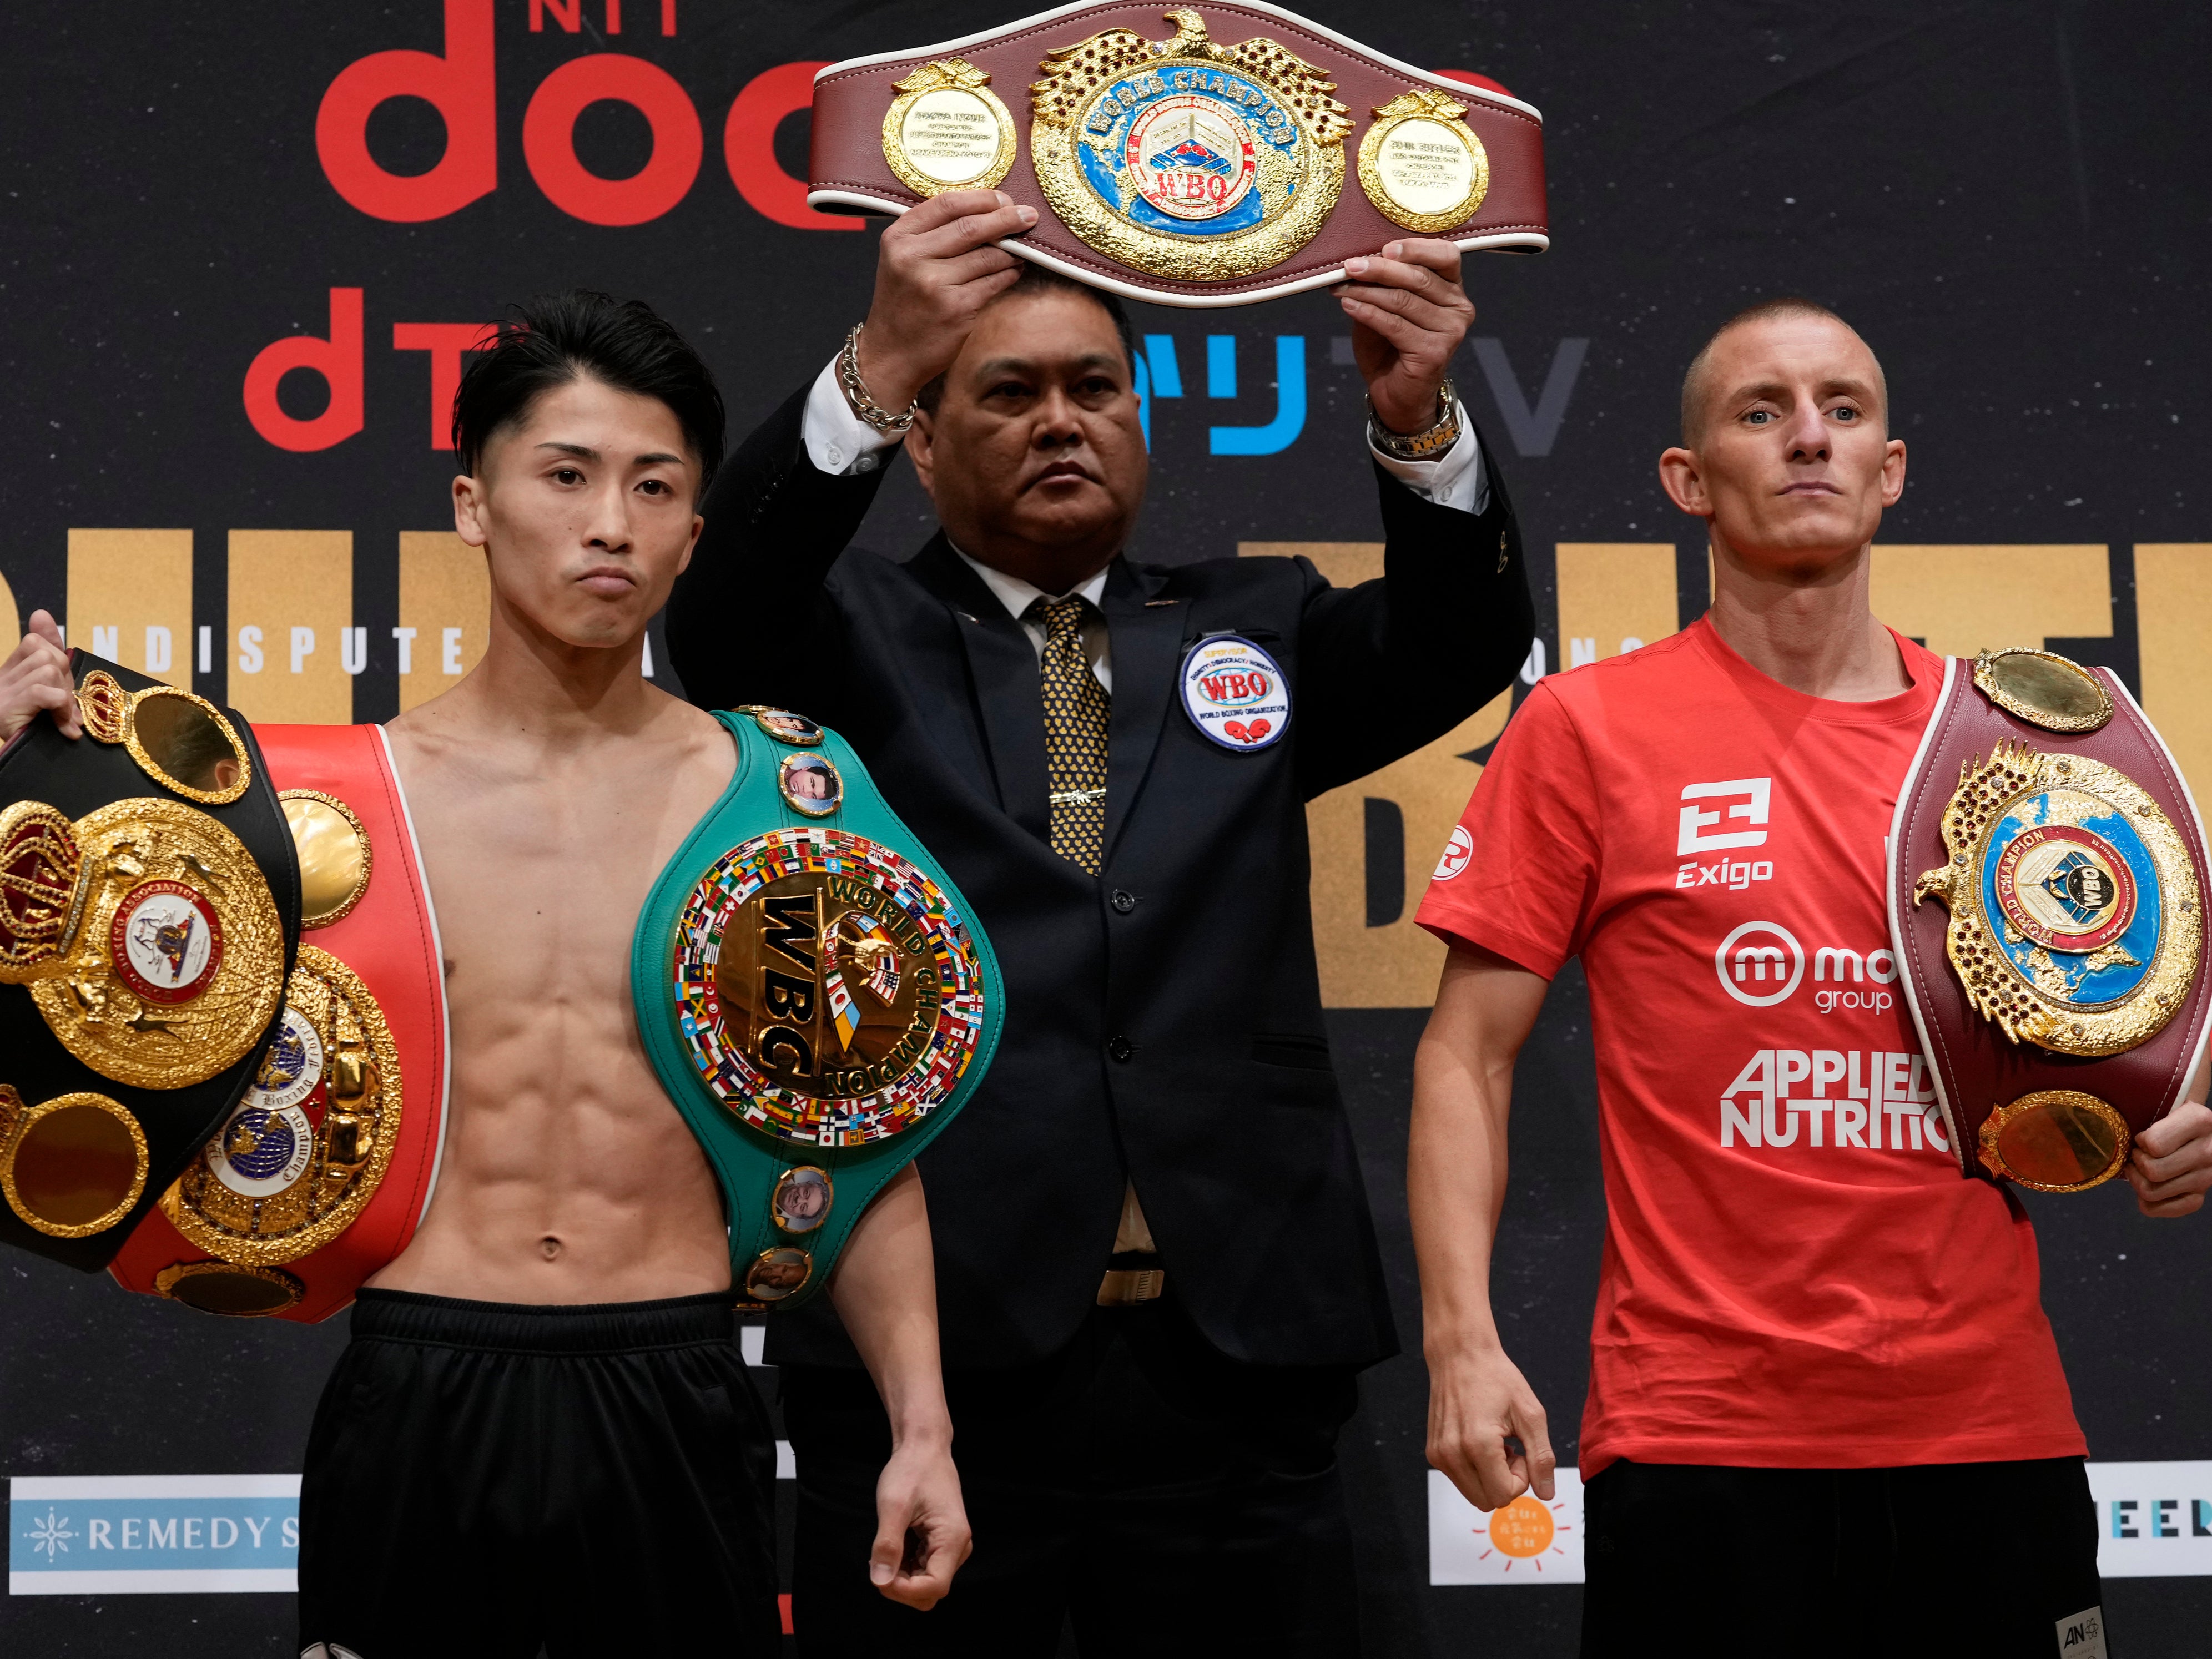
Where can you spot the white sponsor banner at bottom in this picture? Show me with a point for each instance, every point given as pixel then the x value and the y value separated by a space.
pixel 2153 1521
pixel 137 1534
pixel 165 1535
pixel 1526 1541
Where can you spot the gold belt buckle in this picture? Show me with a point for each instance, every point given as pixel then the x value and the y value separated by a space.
pixel 1122 1287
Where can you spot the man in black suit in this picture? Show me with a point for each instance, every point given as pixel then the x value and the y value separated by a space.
pixel 1157 1272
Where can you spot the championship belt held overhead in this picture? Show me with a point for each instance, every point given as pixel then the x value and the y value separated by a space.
pixel 1211 155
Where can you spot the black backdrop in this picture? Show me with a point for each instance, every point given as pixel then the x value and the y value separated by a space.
pixel 2008 199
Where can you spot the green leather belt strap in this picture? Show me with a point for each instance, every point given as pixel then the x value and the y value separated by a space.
pixel 814 995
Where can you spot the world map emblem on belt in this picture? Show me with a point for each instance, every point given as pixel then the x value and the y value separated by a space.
pixel 826 990
pixel 1234 693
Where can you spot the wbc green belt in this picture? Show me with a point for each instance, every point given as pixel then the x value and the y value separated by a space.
pixel 814 994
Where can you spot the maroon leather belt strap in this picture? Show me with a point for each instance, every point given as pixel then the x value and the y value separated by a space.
pixel 2047 880
pixel 1213 155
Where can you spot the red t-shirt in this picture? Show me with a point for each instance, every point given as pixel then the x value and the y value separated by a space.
pixel 1794 1274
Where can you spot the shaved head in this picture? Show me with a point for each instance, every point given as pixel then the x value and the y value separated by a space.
pixel 1698 388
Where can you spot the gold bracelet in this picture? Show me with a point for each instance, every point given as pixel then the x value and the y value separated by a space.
pixel 1420 446
pixel 856 391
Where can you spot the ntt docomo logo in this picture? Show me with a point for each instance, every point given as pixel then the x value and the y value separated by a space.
pixel 1761 963
pixel 461 84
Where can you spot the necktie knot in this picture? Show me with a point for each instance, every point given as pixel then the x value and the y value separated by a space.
pixel 1062 619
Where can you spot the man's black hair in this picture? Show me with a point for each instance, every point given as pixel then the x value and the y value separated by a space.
pixel 548 342
pixel 1040 279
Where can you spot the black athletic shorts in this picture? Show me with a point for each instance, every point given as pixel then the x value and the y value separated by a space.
pixel 489 1480
pixel 1926 1561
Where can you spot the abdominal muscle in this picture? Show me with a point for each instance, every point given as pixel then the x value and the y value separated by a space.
pixel 568 1176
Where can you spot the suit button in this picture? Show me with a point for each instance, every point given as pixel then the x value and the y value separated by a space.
pixel 1124 902
pixel 1121 1048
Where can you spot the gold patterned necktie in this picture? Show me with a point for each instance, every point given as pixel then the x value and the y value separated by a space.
pixel 1077 713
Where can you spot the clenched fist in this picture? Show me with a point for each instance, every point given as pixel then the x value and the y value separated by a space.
pixel 936 270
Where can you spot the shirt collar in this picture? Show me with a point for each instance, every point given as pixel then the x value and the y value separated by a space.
pixel 1018 595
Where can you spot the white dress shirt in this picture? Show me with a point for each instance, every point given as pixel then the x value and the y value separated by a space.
pixel 1017 596
pixel 840 441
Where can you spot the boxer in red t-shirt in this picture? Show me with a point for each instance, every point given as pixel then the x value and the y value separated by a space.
pixel 1826 1412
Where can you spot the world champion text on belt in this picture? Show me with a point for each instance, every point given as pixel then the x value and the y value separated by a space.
pixel 2073 873
pixel 1203 165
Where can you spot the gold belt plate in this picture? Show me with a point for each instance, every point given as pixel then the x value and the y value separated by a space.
pixel 302 1155
pixel 825 989
pixel 1186 159
pixel 2077 917
pixel 169 965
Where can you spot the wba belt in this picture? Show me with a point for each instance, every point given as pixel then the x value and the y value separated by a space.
pixel 1206 167
pixel 2047 878
pixel 318 1174
pixel 814 995
pixel 150 914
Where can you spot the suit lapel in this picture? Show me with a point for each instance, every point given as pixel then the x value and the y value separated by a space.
pixel 1002 668
pixel 1148 641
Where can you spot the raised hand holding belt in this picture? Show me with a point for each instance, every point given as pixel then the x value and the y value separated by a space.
pixel 814 996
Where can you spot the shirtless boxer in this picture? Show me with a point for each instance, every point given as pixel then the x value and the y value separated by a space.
pixel 543 1435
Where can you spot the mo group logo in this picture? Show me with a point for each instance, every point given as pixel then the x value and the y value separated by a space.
pixel 2155 1522
pixel 1761 963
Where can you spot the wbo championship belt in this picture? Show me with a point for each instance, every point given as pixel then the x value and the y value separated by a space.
pixel 320 1173
pixel 815 996
pixel 2047 880
pixel 1206 155
pixel 149 914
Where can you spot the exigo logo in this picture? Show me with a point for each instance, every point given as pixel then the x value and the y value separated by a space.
pixel 462 85
pixel 1736 877
pixel 1750 800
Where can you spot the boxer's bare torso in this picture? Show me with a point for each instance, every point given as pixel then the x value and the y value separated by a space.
pixel 568 1176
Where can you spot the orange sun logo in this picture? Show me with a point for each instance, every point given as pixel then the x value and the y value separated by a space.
pixel 1524 1530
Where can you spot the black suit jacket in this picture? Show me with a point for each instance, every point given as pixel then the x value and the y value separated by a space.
pixel 1164 1018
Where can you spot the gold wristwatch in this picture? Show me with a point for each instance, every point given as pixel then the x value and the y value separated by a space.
pixel 1420 446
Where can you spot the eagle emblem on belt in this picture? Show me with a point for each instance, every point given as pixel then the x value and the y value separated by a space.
pixel 2076 917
